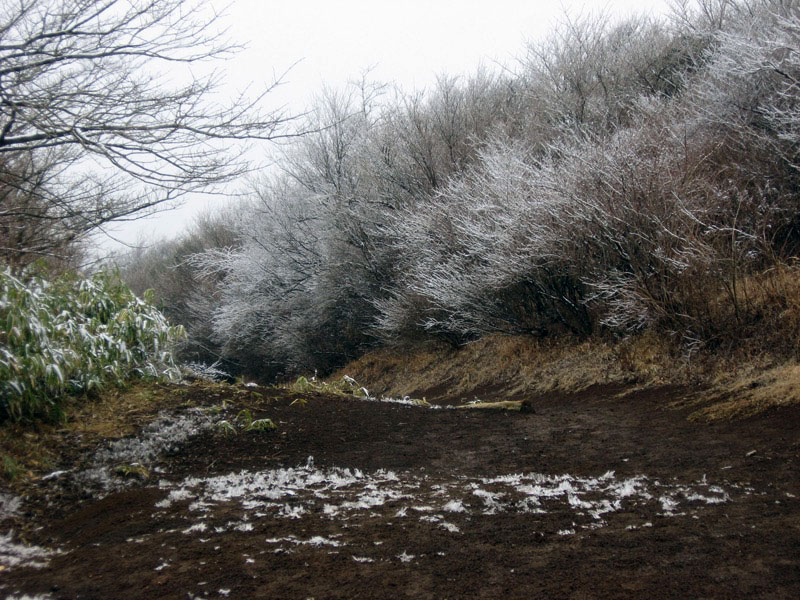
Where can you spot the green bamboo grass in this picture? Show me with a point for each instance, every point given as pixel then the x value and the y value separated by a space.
pixel 74 335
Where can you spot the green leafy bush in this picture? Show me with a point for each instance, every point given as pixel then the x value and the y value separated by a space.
pixel 75 335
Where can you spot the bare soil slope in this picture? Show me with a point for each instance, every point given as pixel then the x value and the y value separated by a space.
pixel 593 495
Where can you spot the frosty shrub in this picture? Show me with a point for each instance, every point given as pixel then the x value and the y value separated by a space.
pixel 484 256
pixel 75 335
pixel 633 175
pixel 182 293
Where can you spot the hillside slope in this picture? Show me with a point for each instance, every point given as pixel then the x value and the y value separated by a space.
pixel 501 367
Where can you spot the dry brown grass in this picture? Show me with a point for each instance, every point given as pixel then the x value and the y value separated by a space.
pixel 775 295
pixel 760 314
pixel 750 393
pixel 733 386
pixel 511 365
pixel 118 413
pixel 762 372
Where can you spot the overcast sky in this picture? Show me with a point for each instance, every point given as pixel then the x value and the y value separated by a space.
pixel 327 42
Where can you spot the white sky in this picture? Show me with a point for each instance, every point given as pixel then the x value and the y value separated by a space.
pixel 408 43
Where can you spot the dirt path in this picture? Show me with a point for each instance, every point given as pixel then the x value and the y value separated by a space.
pixel 593 495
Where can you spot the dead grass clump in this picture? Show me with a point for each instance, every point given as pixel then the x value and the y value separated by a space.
pixel 752 393
pixel 729 385
pixel 397 371
pixel 774 298
pixel 509 365
pixel 117 413
pixel 343 386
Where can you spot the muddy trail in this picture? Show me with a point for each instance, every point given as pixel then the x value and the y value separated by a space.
pixel 595 494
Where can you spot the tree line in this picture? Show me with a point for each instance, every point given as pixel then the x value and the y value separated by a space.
pixel 629 175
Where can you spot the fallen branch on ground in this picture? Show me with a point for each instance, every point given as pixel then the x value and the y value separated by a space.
pixel 523 406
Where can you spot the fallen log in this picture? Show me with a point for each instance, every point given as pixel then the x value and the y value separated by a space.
pixel 523 406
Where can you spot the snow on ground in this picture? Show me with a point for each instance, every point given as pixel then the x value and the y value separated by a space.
pixel 351 496
pixel 405 400
pixel 347 493
pixel 13 554
pixel 9 506
pixel 237 501
pixel 161 436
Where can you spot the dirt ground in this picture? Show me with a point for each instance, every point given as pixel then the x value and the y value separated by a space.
pixel 593 495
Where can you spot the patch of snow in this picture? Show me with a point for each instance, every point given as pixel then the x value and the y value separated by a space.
pixel 174 496
pixel 13 554
pixel 363 559
pixel 349 495
pixel 163 435
pixel 139 540
pixel 668 504
pixel 405 401
pixel 197 527
pixel 291 512
pixel 490 501
pixel 696 497
pixel 256 490
pixel 200 506
pixel 456 506
pixel 54 475
pixel 405 557
pixel 431 518
pixel 9 506
pixel 316 540
pixel 449 527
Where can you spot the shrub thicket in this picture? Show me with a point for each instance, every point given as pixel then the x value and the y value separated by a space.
pixel 72 336
pixel 182 292
pixel 634 175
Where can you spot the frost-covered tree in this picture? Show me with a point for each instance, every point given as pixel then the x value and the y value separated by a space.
pixel 427 136
pixel 588 75
pixel 295 290
pixel 482 256
pixel 634 175
pixel 181 291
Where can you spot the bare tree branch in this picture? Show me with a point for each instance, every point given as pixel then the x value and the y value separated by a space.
pixel 89 84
